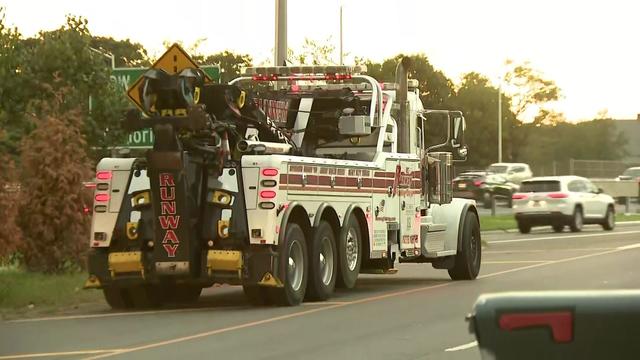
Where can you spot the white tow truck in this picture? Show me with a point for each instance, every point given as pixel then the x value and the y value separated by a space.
pixel 288 181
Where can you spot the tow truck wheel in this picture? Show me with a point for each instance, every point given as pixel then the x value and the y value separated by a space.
pixel 117 298
pixel 293 268
pixel 467 263
pixel 349 253
pixel 322 263
pixel 186 294
pixel 145 296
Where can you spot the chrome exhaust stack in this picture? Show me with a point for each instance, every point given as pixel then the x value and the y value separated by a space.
pixel 402 81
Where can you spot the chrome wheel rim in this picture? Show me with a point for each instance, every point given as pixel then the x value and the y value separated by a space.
pixel 352 249
pixel 326 260
pixel 295 268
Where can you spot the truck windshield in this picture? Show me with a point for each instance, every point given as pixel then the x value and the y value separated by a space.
pixel 540 186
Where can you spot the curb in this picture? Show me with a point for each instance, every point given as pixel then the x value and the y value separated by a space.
pixel 514 230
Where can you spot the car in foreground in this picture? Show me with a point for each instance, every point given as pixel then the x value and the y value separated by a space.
pixel 513 172
pixel 480 185
pixel 562 200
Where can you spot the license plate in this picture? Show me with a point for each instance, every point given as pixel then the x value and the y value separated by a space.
pixel 462 186
pixel 536 203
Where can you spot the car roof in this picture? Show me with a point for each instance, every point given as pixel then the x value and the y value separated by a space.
pixel 562 178
pixel 508 164
pixel 633 168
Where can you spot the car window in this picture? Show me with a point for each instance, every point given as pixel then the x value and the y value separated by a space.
pixel 518 169
pixel 540 186
pixel 590 187
pixel 577 186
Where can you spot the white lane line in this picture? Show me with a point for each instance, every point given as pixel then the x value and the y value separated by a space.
pixel 463 347
pixel 627 247
pixel 64 353
pixel 564 237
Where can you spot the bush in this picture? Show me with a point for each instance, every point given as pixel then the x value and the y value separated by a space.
pixel 10 233
pixel 54 165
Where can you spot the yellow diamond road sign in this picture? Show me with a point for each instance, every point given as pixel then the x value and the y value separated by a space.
pixel 173 61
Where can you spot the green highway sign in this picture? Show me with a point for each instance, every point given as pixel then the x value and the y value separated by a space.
pixel 125 77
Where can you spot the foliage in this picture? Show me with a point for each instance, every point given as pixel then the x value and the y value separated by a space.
pixel 528 88
pixel 314 52
pixel 59 58
pixel 125 52
pixel 435 88
pixel 230 64
pixel 54 165
pixel 479 102
pixel 10 233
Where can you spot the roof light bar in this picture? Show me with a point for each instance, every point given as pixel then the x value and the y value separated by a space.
pixel 298 70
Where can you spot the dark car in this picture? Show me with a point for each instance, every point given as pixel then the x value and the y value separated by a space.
pixel 480 185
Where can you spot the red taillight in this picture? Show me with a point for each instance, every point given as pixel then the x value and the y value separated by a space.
pixel 519 196
pixel 267 194
pixel 269 172
pixel 558 195
pixel 102 197
pixel 103 175
pixel 560 322
pixel 272 77
pixel 478 182
pixel 337 77
pixel 86 210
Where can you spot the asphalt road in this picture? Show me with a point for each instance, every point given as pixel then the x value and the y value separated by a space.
pixel 415 314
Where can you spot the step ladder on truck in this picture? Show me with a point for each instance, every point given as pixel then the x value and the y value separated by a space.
pixel 289 181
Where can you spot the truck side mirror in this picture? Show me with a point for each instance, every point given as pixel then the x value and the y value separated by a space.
pixel 458 126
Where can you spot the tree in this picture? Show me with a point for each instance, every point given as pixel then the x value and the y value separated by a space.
pixel 230 64
pixel 63 59
pixel 54 165
pixel 528 88
pixel 10 233
pixel 435 88
pixel 479 102
pixel 13 92
pixel 314 52
pixel 125 52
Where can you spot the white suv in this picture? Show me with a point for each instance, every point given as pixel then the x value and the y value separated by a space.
pixel 560 201
pixel 514 172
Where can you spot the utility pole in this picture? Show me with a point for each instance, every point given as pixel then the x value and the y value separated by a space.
pixel 280 55
pixel 500 119
pixel 341 53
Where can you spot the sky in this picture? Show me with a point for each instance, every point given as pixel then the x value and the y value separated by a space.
pixel 589 48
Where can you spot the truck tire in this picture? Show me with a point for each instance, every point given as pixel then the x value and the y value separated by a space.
pixel 145 296
pixel 186 294
pixel 293 268
pixel 323 264
pixel 469 256
pixel 609 222
pixel 577 220
pixel 524 227
pixel 349 253
pixel 117 298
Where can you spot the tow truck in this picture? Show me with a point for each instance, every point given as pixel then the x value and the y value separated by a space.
pixel 288 181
